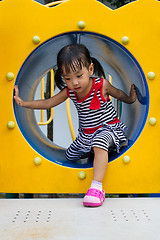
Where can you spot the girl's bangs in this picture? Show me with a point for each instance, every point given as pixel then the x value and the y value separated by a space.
pixel 73 65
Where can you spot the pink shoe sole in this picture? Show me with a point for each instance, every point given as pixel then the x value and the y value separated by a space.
pixel 94 198
pixel 87 204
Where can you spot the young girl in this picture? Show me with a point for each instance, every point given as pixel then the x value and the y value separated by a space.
pixel 100 129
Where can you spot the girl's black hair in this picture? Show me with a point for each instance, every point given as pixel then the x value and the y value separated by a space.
pixel 73 57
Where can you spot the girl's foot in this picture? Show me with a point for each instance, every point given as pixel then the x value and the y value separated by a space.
pixel 94 198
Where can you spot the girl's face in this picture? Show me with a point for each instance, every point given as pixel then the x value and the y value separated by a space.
pixel 79 81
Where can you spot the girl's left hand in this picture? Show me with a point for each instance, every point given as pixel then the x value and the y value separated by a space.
pixel 18 100
pixel 132 94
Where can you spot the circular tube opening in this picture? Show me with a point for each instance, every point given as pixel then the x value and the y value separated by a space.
pixel 116 61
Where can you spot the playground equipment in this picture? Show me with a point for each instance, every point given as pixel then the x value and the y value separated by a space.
pixel 127 47
pixel 47 219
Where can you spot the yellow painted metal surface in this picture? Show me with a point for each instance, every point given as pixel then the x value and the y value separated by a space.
pixel 20 20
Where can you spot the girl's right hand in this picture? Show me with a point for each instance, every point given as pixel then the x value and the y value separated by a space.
pixel 18 100
pixel 133 95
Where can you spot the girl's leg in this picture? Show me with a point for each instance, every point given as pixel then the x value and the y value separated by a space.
pixel 95 195
pixel 101 143
pixel 100 163
pixel 75 151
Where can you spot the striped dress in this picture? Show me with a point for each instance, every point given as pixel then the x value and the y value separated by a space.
pixel 99 125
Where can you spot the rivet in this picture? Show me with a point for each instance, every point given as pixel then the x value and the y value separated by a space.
pixel 125 40
pixel 81 24
pixel 37 161
pixel 152 121
pixel 126 159
pixel 151 75
pixel 36 39
pixel 10 76
pixel 11 125
pixel 82 175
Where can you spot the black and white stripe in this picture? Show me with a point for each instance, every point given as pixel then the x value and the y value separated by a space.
pixel 104 136
pixel 92 118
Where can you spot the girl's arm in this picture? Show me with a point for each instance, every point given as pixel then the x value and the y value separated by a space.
pixel 41 104
pixel 119 94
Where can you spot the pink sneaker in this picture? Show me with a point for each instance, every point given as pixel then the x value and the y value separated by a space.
pixel 94 198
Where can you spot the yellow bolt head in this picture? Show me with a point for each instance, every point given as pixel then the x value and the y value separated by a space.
pixel 126 159
pixel 82 175
pixel 10 76
pixel 152 121
pixel 36 39
pixel 37 161
pixel 81 24
pixel 125 40
pixel 151 75
pixel 10 124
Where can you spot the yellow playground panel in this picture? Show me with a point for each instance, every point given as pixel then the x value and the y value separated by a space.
pixel 126 42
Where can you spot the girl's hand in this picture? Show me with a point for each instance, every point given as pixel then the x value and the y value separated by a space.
pixel 132 94
pixel 18 100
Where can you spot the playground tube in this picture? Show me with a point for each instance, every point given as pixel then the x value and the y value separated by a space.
pixel 116 61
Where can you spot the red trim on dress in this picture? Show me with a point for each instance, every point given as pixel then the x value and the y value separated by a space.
pixel 68 92
pixel 79 101
pixel 92 130
pixel 116 120
pixel 101 92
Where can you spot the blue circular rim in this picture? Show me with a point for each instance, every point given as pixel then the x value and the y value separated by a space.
pixel 112 156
